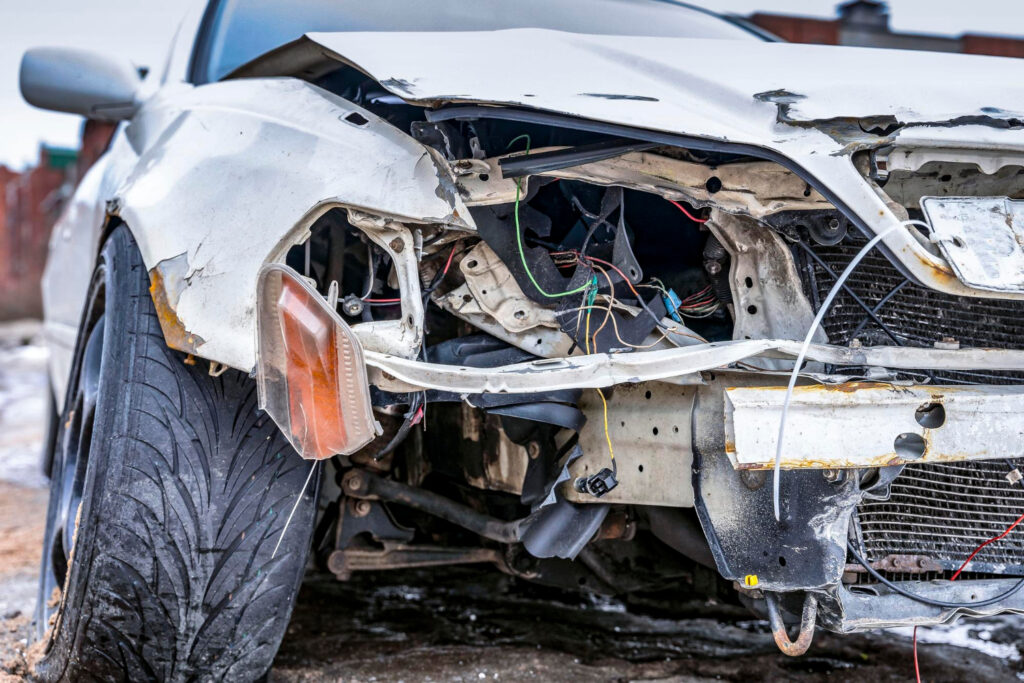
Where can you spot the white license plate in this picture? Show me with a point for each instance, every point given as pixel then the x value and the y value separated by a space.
pixel 981 237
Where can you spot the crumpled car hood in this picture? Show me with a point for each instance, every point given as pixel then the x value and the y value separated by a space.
pixel 731 90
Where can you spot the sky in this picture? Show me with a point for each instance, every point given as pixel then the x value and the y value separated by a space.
pixel 141 30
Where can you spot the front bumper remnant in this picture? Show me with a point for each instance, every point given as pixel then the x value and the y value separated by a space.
pixel 873 425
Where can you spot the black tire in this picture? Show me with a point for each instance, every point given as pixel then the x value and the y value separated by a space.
pixel 184 489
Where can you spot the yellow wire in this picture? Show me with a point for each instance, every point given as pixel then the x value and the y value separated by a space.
pixel 607 436
pixel 622 341
pixel 586 334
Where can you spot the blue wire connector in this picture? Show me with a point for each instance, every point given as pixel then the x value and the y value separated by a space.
pixel 672 304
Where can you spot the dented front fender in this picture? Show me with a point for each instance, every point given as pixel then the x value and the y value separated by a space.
pixel 237 176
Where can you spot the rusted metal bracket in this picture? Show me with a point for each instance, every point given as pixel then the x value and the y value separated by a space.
pixel 907 564
pixel 793 648
pixel 399 556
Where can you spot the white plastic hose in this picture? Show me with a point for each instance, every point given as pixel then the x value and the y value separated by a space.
pixel 807 343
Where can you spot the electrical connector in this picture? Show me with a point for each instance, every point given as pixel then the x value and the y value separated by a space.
pixel 597 484
pixel 672 304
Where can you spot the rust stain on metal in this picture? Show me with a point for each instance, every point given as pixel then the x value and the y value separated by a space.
pixel 165 286
pixel 808 618
pixel 943 275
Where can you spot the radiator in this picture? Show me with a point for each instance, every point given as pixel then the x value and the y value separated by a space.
pixel 915 315
pixel 942 511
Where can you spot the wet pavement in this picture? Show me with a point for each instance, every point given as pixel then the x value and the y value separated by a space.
pixel 475 624
pixel 471 624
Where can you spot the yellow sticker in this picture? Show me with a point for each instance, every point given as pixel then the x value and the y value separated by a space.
pixel 750 580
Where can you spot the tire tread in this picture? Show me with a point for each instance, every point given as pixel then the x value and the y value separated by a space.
pixel 196 489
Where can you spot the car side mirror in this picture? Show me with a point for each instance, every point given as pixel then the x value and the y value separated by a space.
pixel 80 82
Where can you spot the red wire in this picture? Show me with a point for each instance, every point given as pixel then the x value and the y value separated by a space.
pixel 688 214
pixel 450 257
pixel 991 540
pixel 616 269
pixel 917 668
pixel 382 301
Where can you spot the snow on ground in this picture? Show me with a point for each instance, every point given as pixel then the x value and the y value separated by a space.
pixel 984 635
pixel 23 403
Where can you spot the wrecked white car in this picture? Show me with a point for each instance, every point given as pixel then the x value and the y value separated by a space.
pixel 590 292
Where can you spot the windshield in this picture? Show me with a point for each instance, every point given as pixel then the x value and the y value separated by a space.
pixel 238 31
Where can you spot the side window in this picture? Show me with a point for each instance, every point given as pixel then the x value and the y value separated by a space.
pixel 199 64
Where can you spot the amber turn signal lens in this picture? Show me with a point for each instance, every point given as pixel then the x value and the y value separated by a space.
pixel 310 370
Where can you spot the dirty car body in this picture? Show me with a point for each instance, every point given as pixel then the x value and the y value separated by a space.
pixel 536 293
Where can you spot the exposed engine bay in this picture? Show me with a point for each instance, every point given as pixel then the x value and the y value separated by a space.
pixel 593 369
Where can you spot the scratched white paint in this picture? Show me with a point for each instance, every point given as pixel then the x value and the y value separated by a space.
pixel 230 174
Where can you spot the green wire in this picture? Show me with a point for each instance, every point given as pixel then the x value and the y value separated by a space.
pixel 519 239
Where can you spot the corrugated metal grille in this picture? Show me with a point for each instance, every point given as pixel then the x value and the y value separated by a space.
pixel 943 511
pixel 916 316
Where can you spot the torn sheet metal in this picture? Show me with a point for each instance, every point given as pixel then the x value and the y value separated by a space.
pixel 769 302
pixel 981 237
pixel 811 116
pixel 277 153
pixel 754 188
pixel 604 370
pixel 884 608
pixel 873 425
pixel 663 83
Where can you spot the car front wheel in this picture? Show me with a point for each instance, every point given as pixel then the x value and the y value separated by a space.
pixel 169 492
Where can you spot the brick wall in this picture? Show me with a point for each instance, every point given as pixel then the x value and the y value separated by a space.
pixel 30 203
pixel 862 23
pixel 799 29
pixel 992 45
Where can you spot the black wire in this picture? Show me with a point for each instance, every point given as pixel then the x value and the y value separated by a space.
pixel 930 601
pixel 403 431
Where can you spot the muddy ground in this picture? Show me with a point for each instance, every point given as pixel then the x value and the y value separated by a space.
pixel 470 624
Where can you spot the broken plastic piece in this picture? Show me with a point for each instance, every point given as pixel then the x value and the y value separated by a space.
pixel 597 484
pixel 310 372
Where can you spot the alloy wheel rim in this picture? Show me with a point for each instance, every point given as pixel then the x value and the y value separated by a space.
pixel 70 466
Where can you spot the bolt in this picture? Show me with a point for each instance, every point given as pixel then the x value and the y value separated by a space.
pixel 533 450
pixel 397 245
pixel 361 508
pixel 713 267
pixel 833 223
pixel 831 475
pixel 354 481
pixel 753 479
pixel 352 306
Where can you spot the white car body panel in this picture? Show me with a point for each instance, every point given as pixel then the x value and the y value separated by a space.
pixel 797 100
pixel 277 154
pixel 723 89
pixel 217 180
